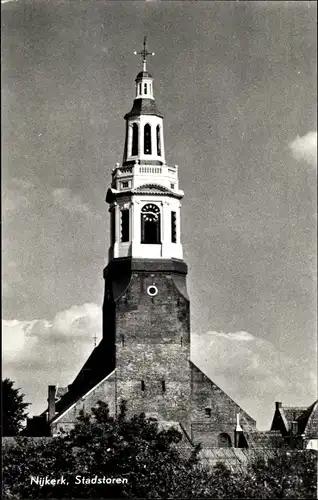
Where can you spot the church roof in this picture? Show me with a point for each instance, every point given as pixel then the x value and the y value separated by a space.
pixel 143 74
pixel 143 107
pixel 152 189
pixel 92 372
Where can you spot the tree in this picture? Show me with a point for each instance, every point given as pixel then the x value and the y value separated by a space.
pixel 13 409
pixel 284 473
pixel 152 461
pixel 101 446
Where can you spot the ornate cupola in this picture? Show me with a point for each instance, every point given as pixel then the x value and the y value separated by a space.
pixel 144 196
pixel 144 126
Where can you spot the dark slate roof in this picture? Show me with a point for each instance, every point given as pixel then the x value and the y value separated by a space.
pixel 263 439
pixel 234 458
pixel 143 74
pixel 152 187
pixel 308 421
pixel 143 107
pixel 93 371
pixel 307 418
pixel 293 412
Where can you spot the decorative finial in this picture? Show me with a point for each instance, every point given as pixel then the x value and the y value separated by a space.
pixel 144 53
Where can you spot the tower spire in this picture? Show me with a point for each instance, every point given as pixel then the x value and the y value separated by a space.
pixel 144 53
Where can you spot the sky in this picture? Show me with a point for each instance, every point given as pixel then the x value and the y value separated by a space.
pixel 236 82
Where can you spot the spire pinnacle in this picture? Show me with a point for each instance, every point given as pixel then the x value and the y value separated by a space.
pixel 144 53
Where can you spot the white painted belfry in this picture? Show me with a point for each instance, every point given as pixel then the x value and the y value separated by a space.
pixel 145 185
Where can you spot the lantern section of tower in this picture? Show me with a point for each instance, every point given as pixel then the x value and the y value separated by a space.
pixel 144 198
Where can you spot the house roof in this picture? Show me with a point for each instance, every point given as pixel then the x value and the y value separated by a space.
pixel 263 439
pixel 307 418
pixel 308 421
pixel 293 412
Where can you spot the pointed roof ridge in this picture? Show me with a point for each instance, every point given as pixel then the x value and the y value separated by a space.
pixel 308 420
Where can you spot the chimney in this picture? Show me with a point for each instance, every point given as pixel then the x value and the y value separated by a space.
pixel 51 402
pixel 278 405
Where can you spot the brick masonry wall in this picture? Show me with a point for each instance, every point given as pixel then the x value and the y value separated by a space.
pixel 153 345
pixel 104 391
pixel 149 338
pixel 205 394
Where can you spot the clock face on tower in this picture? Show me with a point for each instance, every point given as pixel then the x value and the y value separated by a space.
pixel 150 212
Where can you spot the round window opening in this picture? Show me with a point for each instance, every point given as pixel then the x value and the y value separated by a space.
pixel 152 290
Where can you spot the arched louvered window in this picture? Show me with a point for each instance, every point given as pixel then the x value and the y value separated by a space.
pixel 147 139
pixel 112 226
pixel 145 88
pixel 158 141
pixel 173 227
pixel 134 148
pixel 125 225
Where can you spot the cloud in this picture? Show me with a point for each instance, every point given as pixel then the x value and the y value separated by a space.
pixel 305 148
pixel 253 372
pixel 40 352
pixel 77 321
pixel 249 369
pixel 67 200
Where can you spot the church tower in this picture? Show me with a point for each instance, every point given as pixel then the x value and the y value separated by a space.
pixel 146 306
pixel 144 355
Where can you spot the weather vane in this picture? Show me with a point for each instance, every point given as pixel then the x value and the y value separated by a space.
pixel 144 53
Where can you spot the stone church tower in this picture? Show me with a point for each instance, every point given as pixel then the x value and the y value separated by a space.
pixel 145 280
pixel 144 355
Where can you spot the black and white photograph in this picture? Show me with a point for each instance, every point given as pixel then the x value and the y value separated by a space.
pixel 159 249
